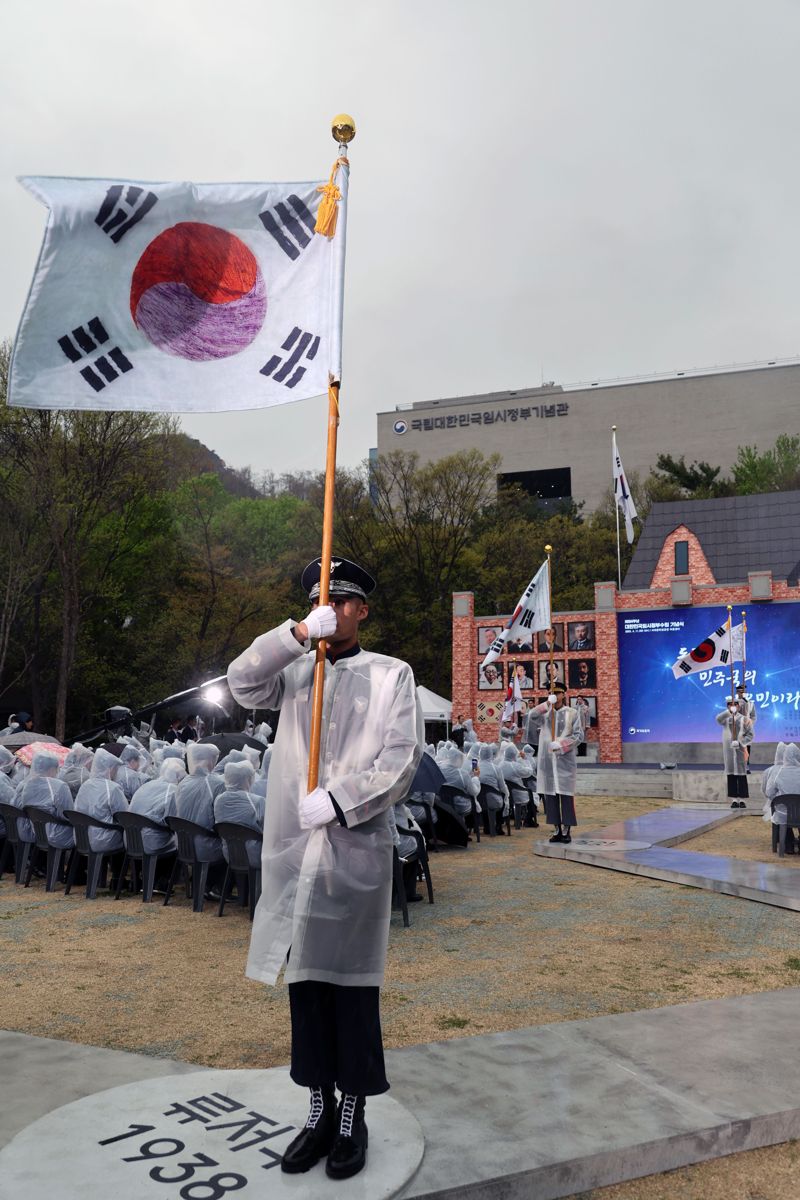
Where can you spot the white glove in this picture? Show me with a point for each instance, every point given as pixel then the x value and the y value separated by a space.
pixel 555 747
pixel 734 745
pixel 551 699
pixel 316 809
pixel 320 621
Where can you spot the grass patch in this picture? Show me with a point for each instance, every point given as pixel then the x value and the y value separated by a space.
pixel 452 1022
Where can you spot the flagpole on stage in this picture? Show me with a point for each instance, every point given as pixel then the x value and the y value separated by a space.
pixel 343 132
pixel 744 648
pixel 616 506
pixel 548 551
pixel 730 649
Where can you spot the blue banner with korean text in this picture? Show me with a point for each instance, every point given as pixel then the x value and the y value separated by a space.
pixel 656 707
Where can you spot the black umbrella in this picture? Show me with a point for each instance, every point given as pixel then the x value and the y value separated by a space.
pixel 225 742
pixel 114 748
pixel 13 741
pixel 429 777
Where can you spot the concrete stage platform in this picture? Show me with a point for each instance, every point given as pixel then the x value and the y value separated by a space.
pixel 698 783
pixel 550 1111
pixel 644 846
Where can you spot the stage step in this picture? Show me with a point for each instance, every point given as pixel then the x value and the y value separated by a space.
pixel 625 781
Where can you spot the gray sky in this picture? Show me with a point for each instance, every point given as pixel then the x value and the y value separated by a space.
pixel 567 189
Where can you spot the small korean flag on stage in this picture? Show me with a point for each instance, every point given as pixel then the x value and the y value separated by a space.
pixel 719 649
pixel 180 297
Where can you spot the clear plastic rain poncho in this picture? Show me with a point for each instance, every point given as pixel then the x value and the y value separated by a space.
pixel 238 803
pixel 736 727
pixel 328 891
pixel 780 755
pixel 100 797
pixel 458 775
pixel 557 771
pixel 153 800
pixel 263 733
pixel 76 767
pixel 784 780
pixel 233 756
pixel 132 771
pixel 252 755
pixel 470 736
pixel 516 770
pixel 262 774
pixel 7 789
pixel 194 798
pixel 45 790
pixel 492 777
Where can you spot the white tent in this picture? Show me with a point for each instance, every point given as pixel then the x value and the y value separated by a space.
pixel 434 708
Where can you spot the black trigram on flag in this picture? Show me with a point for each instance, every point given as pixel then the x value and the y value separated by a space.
pixel 301 344
pixel 723 656
pixel 87 339
pixel 286 219
pixel 123 207
pixel 526 620
pixel 719 632
pixel 685 668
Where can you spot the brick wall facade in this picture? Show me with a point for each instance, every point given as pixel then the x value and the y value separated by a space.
pixel 699 569
pixel 485 707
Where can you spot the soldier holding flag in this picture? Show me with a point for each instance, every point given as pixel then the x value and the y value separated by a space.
pixel 737 734
pixel 558 729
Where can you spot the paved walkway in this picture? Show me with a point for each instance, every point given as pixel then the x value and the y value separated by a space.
pixel 644 846
pixel 548 1112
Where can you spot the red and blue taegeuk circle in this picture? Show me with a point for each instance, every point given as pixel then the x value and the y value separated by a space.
pixel 197 292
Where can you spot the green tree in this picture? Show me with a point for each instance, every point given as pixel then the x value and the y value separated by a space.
pixel 775 470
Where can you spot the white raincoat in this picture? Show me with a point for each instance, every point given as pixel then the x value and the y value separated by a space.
pixel 556 773
pixel 735 728
pixel 100 797
pixel 784 780
pixel 327 891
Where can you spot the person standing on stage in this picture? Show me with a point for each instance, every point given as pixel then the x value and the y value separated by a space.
pixel 737 734
pixel 746 705
pixel 327 856
pixel 557 764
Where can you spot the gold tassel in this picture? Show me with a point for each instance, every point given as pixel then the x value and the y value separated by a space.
pixel 328 210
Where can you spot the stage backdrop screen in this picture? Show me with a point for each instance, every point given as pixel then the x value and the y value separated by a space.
pixel 656 707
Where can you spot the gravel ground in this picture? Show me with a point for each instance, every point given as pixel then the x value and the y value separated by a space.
pixel 513 940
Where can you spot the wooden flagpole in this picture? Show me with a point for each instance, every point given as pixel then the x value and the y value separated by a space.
pixel 730 649
pixel 343 131
pixel 324 583
pixel 744 648
pixel 548 551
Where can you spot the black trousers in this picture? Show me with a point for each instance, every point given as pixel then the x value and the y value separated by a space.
pixel 336 1038
pixel 560 810
pixel 737 787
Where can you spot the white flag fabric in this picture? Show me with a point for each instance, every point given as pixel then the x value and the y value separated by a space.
pixel 622 493
pixel 531 614
pixel 180 297
pixel 719 649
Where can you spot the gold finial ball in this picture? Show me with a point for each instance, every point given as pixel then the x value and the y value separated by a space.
pixel 343 128
pixel 613 428
pixel 548 549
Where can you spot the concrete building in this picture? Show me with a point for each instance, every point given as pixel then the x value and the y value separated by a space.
pixel 556 442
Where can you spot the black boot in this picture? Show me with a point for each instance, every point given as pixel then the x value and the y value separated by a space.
pixel 349 1151
pixel 316 1138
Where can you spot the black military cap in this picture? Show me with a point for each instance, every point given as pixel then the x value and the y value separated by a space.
pixel 347 579
pixel 741 688
pixel 559 687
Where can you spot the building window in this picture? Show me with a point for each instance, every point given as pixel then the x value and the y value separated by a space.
pixel 555 484
pixel 681 558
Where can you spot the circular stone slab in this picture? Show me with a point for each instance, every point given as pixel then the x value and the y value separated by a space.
pixel 203 1136
pixel 589 843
